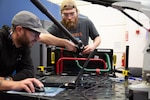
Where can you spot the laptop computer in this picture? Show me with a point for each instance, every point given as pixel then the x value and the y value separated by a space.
pixel 59 80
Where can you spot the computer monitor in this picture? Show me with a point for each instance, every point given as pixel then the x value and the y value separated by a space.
pixel 102 60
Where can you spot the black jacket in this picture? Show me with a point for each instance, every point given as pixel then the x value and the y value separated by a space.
pixel 14 62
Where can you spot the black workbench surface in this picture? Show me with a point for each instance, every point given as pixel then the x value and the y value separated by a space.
pixel 97 88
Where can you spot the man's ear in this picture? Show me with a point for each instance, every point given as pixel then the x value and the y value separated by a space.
pixel 19 30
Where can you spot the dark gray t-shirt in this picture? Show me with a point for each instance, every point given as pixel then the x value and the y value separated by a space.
pixel 84 30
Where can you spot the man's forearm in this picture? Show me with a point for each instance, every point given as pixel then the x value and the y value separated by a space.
pixel 1 78
pixel 5 85
pixel 53 40
pixel 97 41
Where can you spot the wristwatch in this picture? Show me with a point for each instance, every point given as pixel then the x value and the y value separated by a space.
pixel 7 78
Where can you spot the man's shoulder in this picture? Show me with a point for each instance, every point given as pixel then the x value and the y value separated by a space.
pixel 4 29
pixel 4 33
pixel 84 20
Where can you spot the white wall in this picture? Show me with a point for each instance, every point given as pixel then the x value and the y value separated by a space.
pixel 112 26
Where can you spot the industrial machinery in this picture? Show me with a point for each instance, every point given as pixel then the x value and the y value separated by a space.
pixel 143 7
pixel 144 86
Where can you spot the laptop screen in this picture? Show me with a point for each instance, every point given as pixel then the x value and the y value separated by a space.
pixel 71 63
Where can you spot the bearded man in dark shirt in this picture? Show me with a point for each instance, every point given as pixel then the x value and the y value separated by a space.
pixel 15 44
pixel 79 27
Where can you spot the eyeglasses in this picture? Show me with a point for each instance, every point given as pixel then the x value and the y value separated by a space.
pixel 34 33
pixel 69 14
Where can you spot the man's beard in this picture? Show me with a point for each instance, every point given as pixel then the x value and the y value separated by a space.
pixel 23 41
pixel 70 24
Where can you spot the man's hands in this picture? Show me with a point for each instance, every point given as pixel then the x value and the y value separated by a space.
pixel 26 85
pixel 70 46
pixel 88 49
pixel 93 46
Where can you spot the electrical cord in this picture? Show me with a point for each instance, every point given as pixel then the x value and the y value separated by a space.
pixel 94 70
pixel 104 82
